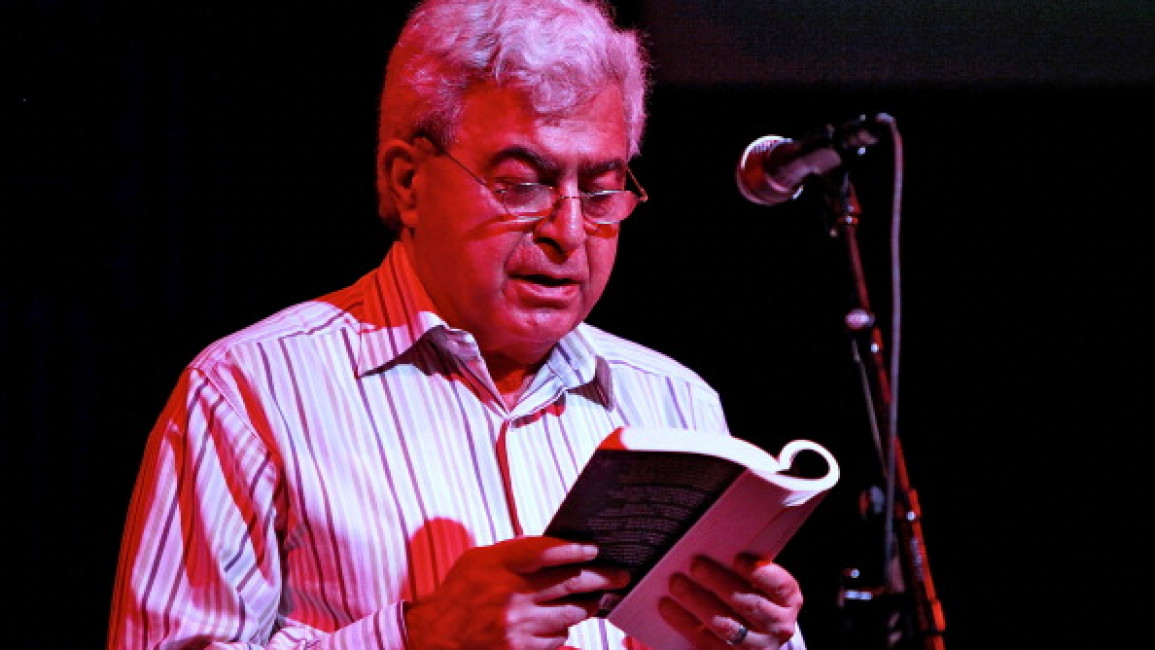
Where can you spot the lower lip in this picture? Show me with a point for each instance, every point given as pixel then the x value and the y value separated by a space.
pixel 543 293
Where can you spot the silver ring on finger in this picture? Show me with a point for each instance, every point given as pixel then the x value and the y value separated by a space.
pixel 739 636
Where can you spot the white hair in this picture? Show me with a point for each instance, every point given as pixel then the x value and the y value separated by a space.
pixel 560 53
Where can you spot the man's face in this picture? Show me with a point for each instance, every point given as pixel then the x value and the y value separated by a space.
pixel 518 287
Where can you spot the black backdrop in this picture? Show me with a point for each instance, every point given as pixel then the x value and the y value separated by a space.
pixel 175 172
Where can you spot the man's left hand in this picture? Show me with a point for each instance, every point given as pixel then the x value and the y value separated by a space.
pixel 753 604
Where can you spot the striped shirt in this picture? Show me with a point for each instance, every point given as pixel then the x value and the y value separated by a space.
pixel 316 470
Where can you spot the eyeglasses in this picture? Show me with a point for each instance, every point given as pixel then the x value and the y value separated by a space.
pixel 529 202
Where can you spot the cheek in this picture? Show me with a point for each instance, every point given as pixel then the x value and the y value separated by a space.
pixel 601 260
pixel 479 262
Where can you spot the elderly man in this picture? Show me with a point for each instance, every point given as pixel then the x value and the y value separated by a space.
pixel 374 468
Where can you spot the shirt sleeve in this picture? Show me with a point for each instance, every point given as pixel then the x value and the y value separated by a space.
pixel 200 561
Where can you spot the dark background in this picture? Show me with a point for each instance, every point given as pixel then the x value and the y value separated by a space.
pixel 172 172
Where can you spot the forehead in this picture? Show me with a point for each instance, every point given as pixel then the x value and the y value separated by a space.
pixel 494 119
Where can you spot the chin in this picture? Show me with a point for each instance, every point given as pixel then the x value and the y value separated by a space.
pixel 545 328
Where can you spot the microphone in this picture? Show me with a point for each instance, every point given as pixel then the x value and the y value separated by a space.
pixel 772 168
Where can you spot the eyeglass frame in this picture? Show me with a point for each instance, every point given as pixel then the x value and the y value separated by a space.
pixel 640 196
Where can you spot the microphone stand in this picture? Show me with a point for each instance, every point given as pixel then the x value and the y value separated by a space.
pixel 908 584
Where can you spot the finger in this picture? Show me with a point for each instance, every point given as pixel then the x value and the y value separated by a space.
pixel 735 594
pixel 558 552
pixel 771 579
pixel 577 580
pixel 557 618
pixel 712 614
pixel 718 579
pixel 688 625
pixel 774 605
pixel 726 599
pixel 529 554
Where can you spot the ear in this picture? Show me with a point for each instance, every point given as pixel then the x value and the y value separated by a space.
pixel 397 180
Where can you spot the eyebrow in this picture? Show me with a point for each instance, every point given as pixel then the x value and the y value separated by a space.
pixel 549 167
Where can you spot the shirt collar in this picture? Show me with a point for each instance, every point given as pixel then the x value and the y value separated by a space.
pixel 577 355
pixel 398 312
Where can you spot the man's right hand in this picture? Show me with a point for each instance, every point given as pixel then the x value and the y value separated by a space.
pixel 520 594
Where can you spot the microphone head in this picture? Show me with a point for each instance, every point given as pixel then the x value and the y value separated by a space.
pixel 753 181
pixel 772 168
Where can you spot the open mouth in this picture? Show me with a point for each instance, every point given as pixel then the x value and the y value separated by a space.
pixel 547 281
pixel 546 290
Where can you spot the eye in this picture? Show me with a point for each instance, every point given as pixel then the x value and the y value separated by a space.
pixel 523 191
pixel 610 181
pixel 532 199
pixel 598 204
pixel 507 182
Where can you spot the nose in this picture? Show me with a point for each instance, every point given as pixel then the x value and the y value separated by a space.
pixel 567 226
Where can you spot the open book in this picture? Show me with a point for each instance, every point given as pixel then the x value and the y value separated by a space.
pixel 653 499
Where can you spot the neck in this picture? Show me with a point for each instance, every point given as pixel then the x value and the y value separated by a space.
pixel 510 377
